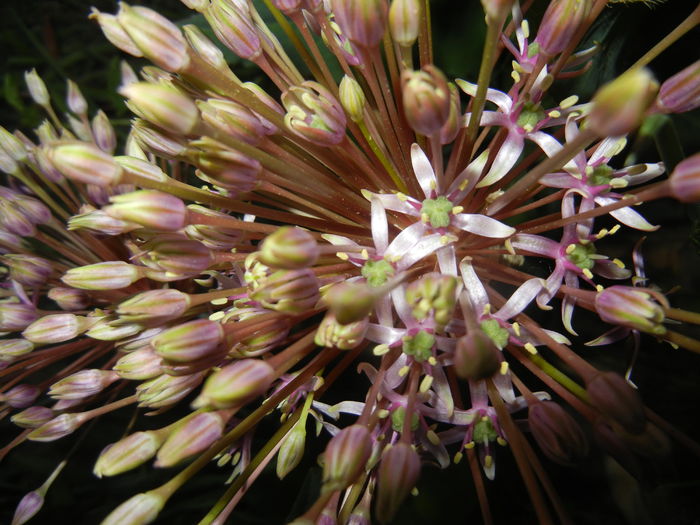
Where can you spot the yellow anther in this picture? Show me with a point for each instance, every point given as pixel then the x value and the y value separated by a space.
pixel 402 197
pixel 383 413
pixel 432 361
pixel 444 239
pixel 587 273
pixel 470 445
pixel 525 26
pixel 614 229
pixel 457 209
pixel 364 254
pixel 380 350
pixel 602 233
pixel 504 368
pixel 414 491
pixel 458 457
pixel 488 461
pixel 394 259
pixel 528 127
pixel 599 288
pixel 509 247
pixel 425 384
pixel 433 185
pixel 501 441
pixel 433 437
pixel 484 419
pixel 216 316
pixel 568 102
pixel 515 76
pixel 404 370
pixel 516 329
pixel 554 113
pixel 619 182
pixel 424 217
pixel 531 348
pixel 619 263
pixel 487 309
pixel 342 255
pixel 219 302
pixel 570 248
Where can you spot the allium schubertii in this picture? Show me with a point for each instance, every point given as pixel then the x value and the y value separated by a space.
pixel 244 250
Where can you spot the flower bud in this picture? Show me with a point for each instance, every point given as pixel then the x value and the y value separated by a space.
pixel 32 417
pixel 213 237
pixel 561 20
pixel 350 301
pixel 205 48
pixel 37 88
pixel 234 27
pixel 452 125
pixel 28 270
pixel 404 21
pixel 114 32
pixel 109 275
pixel 83 384
pixel 631 307
pixel 158 38
pixel 231 170
pixel 557 433
pixel 28 506
pixel 69 298
pixel 98 222
pixel 331 333
pixel 352 98
pixel 13 146
pixel 102 130
pixel 289 248
pixel 261 341
pixel 363 21
pixel 345 457
pixel 58 427
pixel 155 140
pixel 617 400
pixel 233 119
pixel 288 291
pixel 163 105
pixel 112 329
pixel 681 92
pixel 476 356
pixel 314 114
pixel 84 162
pixel 16 316
pixel 166 390
pixel 433 294
pixel 139 365
pixel 288 7
pixel 236 384
pixel 189 341
pixel 149 208
pixel 620 105
pixel 14 222
pixel 684 181
pixel 56 328
pixel 9 242
pixel 127 453
pixel 75 100
pixel 426 99
pixel 496 9
pixel 175 256
pixel 398 473
pixel 13 348
pixel 196 435
pixel 292 449
pixel 137 510
pixel 651 443
pixel 20 396
pixel 154 306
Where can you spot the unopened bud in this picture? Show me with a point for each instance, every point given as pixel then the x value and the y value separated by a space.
pixel 56 328
pixel 433 295
pixel 189 342
pixel 236 384
pixel 205 48
pixel 28 270
pixel 353 99
pixel 37 88
pixel 16 316
pixel 86 163
pixel 69 298
pixel 426 99
pixel 75 100
pixel 476 356
pixel 235 172
pixel 681 92
pixel 404 21
pixel 331 333
pixel 288 291
pixel 398 473
pixel 452 125
pixel 617 400
pixel 292 449
pixel 109 275
pixel 58 427
pixel 350 302
pixel 684 181
pixel 561 20
pixel 114 32
pixel 234 119
pixel 13 348
pixel 149 208
pixel 557 433
pixel 137 510
pixel 83 384
pixel 127 453
pixel 102 130
pixel 166 390
pixel 32 417
pixel 154 306
pixel 163 105
pixel 363 21
pixel 20 396
pixel 314 114
pixel 289 248
pixel 196 435
pixel 631 307
pixel 139 365
pixel 234 27
pixel 345 457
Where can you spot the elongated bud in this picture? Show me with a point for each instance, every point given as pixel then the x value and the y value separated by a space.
pixel 684 181
pixel 353 99
pixel 196 435
pixel 345 457
pixel 154 306
pixel 292 449
pixel 112 329
pixel 103 132
pixel 128 453
pixel 86 163
pixel 166 390
pixel 235 28
pixel 476 356
pixel 27 508
pixel 58 427
pixel 350 302
pixel 75 100
pixel 13 348
pixel 69 298
pixel 288 291
pixel 404 21
pixel 229 169
pixel 331 333
pixel 362 21
pixel 27 269
pixel 175 256
pixel 14 147
pixel 158 38
pixel 99 222
pixel 314 114
pixel 681 92
pixel 236 384
pixel 139 365
pixel 631 307
pixel 109 275
pixel 189 342
pixel 20 396
pixel 16 316
pixel 557 433
pixel 149 208
pixel 289 248
pixel 163 105
pixel 37 88
pixel 496 10
pixel 137 510
pixel 114 32
pixel 205 48
pixel 83 384
pixel 399 471
pixel 619 106
pixel 618 400
pixel 32 417
pixel 233 118
pixel 426 98
pixel 561 20
pixel 56 328
pixel 160 142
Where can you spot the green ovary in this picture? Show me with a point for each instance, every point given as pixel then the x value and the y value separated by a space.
pixel 377 272
pixel 438 211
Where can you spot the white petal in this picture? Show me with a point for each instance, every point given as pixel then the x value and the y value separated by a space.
pixel 423 170
pixel 467 179
pixel 472 285
pixel 380 228
pixel 499 98
pixel 405 240
pixel 520 299
pixel 391 202
pixel 482 225
pixel 424 247
pixel 507 156
pixel 535 244
pixel 447 260
pixel 384 334
pixel 627 216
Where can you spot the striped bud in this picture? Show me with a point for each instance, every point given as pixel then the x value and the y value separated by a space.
pixel 189 341
pixel 557 433
pixel 289 248
pixel 196 435
pixel 109 275
pixel 137 510
pixel 127 453
pixel 83 384
pixel 149 208
pixel 236 384
pixel 56 328
pixel 163 105
pixel 399 471
pixel 84 162
pixel 618 400
pixel 345 457
pixel 154 306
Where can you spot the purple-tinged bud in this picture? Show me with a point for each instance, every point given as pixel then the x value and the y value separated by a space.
pixel 75 100
pixel 557 433
pixel 205 48
pixel 167 390
pixel 32 417
pixel 268 337
pixel 451 127
pixel 139 365
pixel 102 130
pixel 140 169
pixel 85 162
pixel 9 242
pixel 69 298
pixel 7 163
pixel 331 333
pixel 197 5
pixel 58 427
pixel 476 356
pixel 57 328
pixel 16 316
pixel 496 9
pixel 264 97
pixel 292 449
pixel 234 27
pixel 288 291
pixel 620 105
pixel 189 341
pixel 138 341
pixel 362 21
pixel 127 453
pixel 13 348
pixel 404 21
pixel 229 169
pixel 314 114
pixel 681 92
pixel 28 270
pixel 197 434
pixel 345 457
pixel 684 181
pixel 99 222
pixel 288 7
pixel 149 208
pixel 33 209
pixel 236 384
pixel 157 141
pixel 109 275
pixel 115 33
pixel 352 98
pixel 137 510
pixel 561 20
pixel 426 99
pixel 618 400
pixel 233 119
pixel 213 237
pixel 20 396
pixel 83 384
pixel 37 88
pixel 154 306
pixel 112 329
pixel 14 221
pixel 163 105
pixel 289 248
pixel 398 473
pixel 11 145
pixel 177 257
pixel 350 302
pixel 46 132
pixel 27 508
pixel 632 307
pixel 158 38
